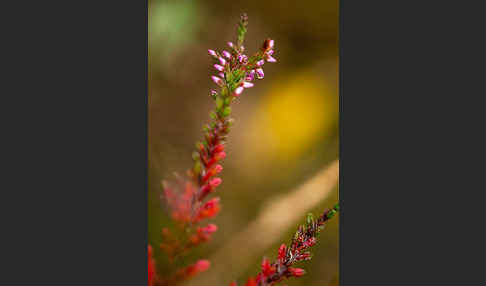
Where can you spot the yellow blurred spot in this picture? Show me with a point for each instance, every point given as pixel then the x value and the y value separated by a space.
pixel 293 115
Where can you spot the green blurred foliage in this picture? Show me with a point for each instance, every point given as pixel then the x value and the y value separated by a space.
pixel 286 127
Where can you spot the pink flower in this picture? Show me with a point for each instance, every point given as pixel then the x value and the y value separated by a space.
pixel 226 54
pixel 230 44
pixel 218 67
pixel 213 92
pixel 243 59
pixel 247 84
pixel 268 45
pixel 217 80
pixel 221 75
pixel 222 61
pixel 271 43
pixel 238 90
pixel 270 52
pixel 271 59
pixel 260 63
pixel 212 53
pixel 250 76
pixel 260 73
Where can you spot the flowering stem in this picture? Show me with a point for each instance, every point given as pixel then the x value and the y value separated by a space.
pixel 304 238
pixel 186 198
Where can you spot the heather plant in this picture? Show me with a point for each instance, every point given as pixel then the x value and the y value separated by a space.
pixel 282 268
pixel 187 195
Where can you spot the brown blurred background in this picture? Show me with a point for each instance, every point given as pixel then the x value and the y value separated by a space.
pixel 285 131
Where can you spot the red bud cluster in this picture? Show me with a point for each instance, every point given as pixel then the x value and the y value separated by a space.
pixel 281 269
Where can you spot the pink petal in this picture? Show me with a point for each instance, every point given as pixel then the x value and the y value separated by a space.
pixel 218 67
pixel 260 73
pixel 238 90
pixel 271 43
pixel 226 54
pixel 271 59
pixel 222 61
pixel 247 84
pixel 212 53
pixel 217 80
pixel 250 76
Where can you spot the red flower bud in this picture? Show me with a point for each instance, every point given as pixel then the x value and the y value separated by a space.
pixel 297 272
pixel 216 157
pixel 203 233
pixel 215 182
pixel 213 171
pixel 267 269
pixel 251 282
pixel 198 267
pixel 218 148
pixel 304 256
pixel 281 253
pixel 310 242
pixel 209 209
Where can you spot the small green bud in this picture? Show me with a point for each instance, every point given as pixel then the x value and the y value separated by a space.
pixel 331 213
pixel 197 168
pixel 310 219
pixel 296 235
pixel 219 103
pixel 227 111
pixel 229 77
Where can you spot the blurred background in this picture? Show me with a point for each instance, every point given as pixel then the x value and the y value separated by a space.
pixel 285 131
